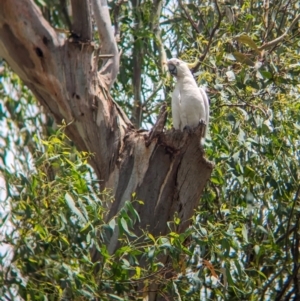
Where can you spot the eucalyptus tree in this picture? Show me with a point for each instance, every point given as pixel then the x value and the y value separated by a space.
pixel 62 73
pixel 106 82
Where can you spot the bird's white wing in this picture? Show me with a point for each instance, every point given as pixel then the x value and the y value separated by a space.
pixel 192 103
pixel 206 105
pixel 176 108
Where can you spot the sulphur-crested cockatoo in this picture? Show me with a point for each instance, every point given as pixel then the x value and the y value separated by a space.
pixel 190 104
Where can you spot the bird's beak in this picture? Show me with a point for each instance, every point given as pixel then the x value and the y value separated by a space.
pixel 172 69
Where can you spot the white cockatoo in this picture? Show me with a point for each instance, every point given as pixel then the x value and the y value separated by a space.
pixel 190 104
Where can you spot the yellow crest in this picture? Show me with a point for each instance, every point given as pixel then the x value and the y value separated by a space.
pixel 192 65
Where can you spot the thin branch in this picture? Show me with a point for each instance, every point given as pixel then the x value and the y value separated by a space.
pixel 192 22
pixel 266 6
pixel 269 282
pixel 171 20
pixel 110 66
pixel 279 39
pixel 82 23
pixel 295 252
pixel 154 92
pixel 202 57
pixel 296 265
pixel 244 105
pixel 116 18
pixel 274 23
pixel 290 217
pixel 285 287
pixel 158 42
pixel 201 20
pixel 286 234
pixel 155 17
pixel 284 14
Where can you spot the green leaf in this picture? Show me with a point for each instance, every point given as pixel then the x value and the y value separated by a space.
pixel 245 233
pixel 151 237
pixel 133 212
pixel 124 226
pixel 115 297
pixel 262 229
pixel 266 74
pixel 242 58
pixel 71 204
pixel 245 39
pixel 112 224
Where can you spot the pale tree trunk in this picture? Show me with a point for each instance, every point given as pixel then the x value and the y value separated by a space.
pixel 166 169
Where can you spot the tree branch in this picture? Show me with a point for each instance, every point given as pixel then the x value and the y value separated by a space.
pixel 212 32
pixel 269 282
pixel 155 17
pixel 116 18
pixel 82 22
pixel 158 42
pixel 279 39
pixel 38 35
pixel 189 16
pixel 202 57
pixel 244 105
pixel 154 92
pixel 61 76
pixel 290 217
pixel 110 66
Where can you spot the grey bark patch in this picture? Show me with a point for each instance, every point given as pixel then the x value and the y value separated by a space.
pixel 125 175
pixel 16 48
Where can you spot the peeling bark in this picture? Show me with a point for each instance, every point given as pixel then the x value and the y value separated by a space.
pixel 166 169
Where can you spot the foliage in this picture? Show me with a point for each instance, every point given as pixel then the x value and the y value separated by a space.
pixel 243 243
pixel 55 219
pixel 56 216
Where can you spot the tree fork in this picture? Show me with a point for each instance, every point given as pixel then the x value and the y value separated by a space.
pixel 167 170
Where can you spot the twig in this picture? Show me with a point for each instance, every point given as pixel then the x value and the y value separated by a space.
pixel 202 57
pixel 279 39
pixel 295 253
pixel 290 217
pixel 283 236
pixel 284 14
pixel 286 285
pixel 116 19
pixel 105 56
pixel 152 94
pixel 269 282
pixel 212 32
pixel 155 26
pixel 189 16
pixel 244 105
pixel 266 14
